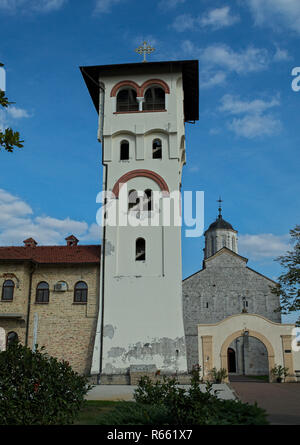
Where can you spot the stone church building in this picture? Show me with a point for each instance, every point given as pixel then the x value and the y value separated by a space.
pixel 226 286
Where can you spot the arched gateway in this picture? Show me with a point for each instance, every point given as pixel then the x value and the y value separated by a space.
pixel 276 337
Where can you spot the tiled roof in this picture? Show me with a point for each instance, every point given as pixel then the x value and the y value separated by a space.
pixel 52 254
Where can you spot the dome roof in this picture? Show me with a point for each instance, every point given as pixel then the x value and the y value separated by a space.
pixel 220 223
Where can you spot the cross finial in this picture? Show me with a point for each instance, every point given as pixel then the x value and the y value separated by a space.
pixel 220 208
pixel 145 49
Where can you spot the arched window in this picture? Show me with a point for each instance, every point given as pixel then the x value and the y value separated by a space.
pixel 11 337
pixel 140 249
pixel 126 100
pixel 80 292
pixel 42 292
pixel 156 149
pixel 154 99
pixel 8 290
pixel 148 204
pixel 133 201
pixel 124 151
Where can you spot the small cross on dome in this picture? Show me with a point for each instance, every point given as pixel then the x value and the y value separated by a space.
pixel 220 208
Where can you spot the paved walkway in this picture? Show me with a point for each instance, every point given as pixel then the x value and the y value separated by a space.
pixel 280 400
pixel 125 392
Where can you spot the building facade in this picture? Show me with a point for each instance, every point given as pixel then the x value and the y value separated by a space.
pixel 224 287
pixel 49 297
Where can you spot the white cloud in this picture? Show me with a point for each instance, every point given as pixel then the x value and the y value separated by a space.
pixel 265 245
pixel 254 123
pixel 215 19
pixel 281 55
pixel 253 126
pixel 17 113
pixel 250 60
pixel 17 222
pixel 105 6
pixel 7 114
pixel 42 6
pixel 234 105
pixel 210 79
pixel 218 18
pixel 170 4
pixel 276 13
pixel 184 22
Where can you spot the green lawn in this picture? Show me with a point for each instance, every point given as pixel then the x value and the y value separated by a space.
pixel 92 412
pixel 264 378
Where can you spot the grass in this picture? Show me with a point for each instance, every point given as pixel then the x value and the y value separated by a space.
pixel 264 378
pixel 94 409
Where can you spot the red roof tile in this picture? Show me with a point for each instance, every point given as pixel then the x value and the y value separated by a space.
pixel 52 254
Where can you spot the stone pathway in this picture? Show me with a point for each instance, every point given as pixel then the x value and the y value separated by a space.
pixel 125 392
pixel 280 400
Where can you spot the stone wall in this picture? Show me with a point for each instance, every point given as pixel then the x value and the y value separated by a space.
pixel 217 292
pixel 65 328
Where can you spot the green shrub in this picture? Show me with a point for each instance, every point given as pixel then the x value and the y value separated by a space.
pixel 36 389
pixel 129 413
pixel 193 407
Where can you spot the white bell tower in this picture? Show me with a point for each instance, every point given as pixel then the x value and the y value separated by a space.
pixel 142 110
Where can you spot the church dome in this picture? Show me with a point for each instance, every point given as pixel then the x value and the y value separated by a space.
pixel 220 223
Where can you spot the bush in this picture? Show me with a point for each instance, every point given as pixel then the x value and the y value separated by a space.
pixel 194 407
pixel 36 389
pixel 218 375
pixel 129 413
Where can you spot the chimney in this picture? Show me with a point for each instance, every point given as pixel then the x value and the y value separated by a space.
pixel 30 242
pixel 72 241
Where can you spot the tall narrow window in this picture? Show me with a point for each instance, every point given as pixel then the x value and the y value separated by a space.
pixel 156 149
pixel 126 100
pixel 42 293
pixel 8 290
pixel 80 292
pixel 133 200
pixel 154 99
pixel 140 249
pixel 124 151
pixel 148 201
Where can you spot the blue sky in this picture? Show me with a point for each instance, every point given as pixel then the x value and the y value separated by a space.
pixel 244 146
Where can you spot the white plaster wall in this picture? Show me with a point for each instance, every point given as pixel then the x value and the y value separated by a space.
pixel 143 322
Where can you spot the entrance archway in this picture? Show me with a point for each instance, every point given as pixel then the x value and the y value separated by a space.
pixel 231 360
pixel 249 333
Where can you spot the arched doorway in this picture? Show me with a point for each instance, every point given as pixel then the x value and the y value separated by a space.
pixel 231 361
pixel 245 335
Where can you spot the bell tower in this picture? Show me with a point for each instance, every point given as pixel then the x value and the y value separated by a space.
pixel 143 108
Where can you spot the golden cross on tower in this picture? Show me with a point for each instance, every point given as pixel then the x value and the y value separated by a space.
pixel 143 50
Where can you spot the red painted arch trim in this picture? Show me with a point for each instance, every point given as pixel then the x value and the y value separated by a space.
pixel 160 82
pixel 125 83
pixel 141 173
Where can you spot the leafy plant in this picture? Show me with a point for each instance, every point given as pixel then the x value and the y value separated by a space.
pixel 218 376
pixel 129 413
pixel 37 389
pixel 288 288
pixel 194 406
pixel 8 138
pixel 279 372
